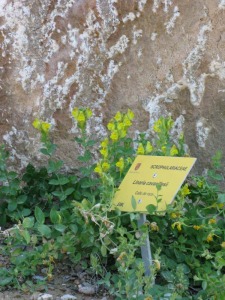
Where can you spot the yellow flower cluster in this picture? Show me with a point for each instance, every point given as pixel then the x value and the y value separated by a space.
pixel 175 215
pixel 154 226
pixel 210 237
pixel 197 227
pixel 120 164
pixel 141 150
pixel 41 126
pixel 177 225
pixel 212 221
pixel 184 191
pixel 102 167
pixel 81 115
pixel 163 124
pixel 120 124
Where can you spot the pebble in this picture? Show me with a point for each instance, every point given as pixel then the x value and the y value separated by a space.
pixel 86 289
pixel 45 297
pixel 68 297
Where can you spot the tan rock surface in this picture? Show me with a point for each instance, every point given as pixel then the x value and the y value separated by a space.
pixel 156 57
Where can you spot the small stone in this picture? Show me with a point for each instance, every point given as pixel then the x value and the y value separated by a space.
pixel 68 297
pixel 45 297
pixel 86 289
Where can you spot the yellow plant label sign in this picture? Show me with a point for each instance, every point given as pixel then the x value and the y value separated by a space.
pixel 152 180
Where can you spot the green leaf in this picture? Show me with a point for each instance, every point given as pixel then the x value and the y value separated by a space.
pixel 5 281
pixel 73 228
pixel 69 191
pixel 59 181
pixel 133 203
pixel 28 222
pixel 39 215
pixel 26 212
pixel 60 227
pixel 221 198
pixel 204 285
pixel 25 234
pixel 55 216
pixel 44 230
pixel 54 166
pixel 21 199
pixel 103 250
pixel 12 206
pixel 151 208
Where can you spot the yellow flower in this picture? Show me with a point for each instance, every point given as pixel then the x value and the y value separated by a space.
pixel 175 215
pixel 157 125
pixel 45 127
pixel 122 255
pixel 123 133
pixel 148 147
pixel 118 116
pixel 37 124
pixel 130 114
pixel 105 166
pixel 212 221
pixel 75 113
pixel 111 126
pixel 120 126
pixel 114 136
pixel 177 225
pixel 163 149
pixel 210 238
pixel 222 245
pixel 120 164
pixel 154 226
pixel 140 149
pixel 173 151
pixel 220 205
pixel 185 190
pixel 197 227
pixel 126 121
pixel 98 169
pixel 104 152
pixel 105 143
pixel 88 113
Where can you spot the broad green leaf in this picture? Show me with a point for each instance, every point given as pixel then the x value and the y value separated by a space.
pixel 60 227
pixel 133 203
pixel 26 212
pixel 151 208
pixel 54 166
pixel 12 206
pixel 28 222
pixel 26 236
pixel 44 230
pixel 21 199
pixel 5 281
pixel 103 250
pixel 59 181
pixel 55 216
pixel 39 215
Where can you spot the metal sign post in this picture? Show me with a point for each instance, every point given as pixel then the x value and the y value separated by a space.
pixel 146 248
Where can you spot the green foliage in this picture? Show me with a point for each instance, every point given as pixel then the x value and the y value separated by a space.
pixel 60 216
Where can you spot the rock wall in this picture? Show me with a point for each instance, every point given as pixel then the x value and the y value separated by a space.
pixel 157 57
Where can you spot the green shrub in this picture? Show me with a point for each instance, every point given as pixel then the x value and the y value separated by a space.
pixel 62 216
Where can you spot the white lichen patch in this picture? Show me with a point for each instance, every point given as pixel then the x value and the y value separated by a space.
pixel 141 4
pixel 218 68
pixel 153 36
pixel 119 47
pixel 129 17
pixel 222 4
pixel 202 132
pixel 157 3
pixel 137 33
pixel 171 23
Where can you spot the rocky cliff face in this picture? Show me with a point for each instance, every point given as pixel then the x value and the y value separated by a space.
pixel 157 57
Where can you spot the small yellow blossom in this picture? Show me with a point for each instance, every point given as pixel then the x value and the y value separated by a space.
pixel 105 143
pixel 220 205
pixel 157 125
pixel 120 126
pixel 98 169
pixel 173 151
pixel 120 164
pixel 148 147
pixel 75 113
pixel 175 215
pixel 37 124
pixel 114 136
pixel 45 127
pixel 126 121
pixel 212 221
pixel 197 227
pixel 111 126
pixel 140 149
pixel 104 152
pixel 210 238
pixel 130 114
pixel 105 166
pixel 118 116
pixel 157 264
pixel 154 226
pixel 163 149
pixel 185 190
pixel 123 133
pixel 177 225
pixel 122 255
pixel 88 113
pixel 222 245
